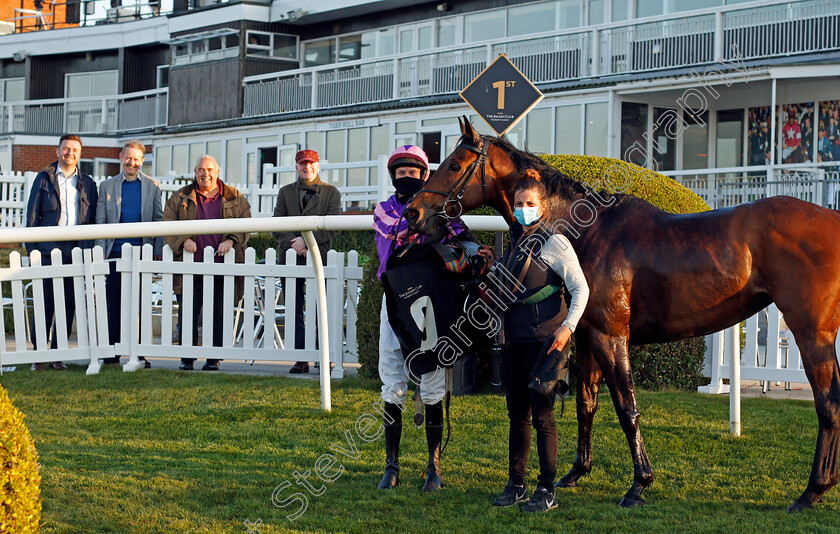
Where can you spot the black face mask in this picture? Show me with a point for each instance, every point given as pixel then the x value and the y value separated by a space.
pixel 407 187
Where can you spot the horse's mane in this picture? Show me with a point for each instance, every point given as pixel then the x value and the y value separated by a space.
pixel 558 184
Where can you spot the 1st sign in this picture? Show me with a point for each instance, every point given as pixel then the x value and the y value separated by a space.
pixel 501 95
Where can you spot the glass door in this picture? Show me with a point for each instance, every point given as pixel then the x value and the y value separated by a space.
pixel 415 38
pixel 729 145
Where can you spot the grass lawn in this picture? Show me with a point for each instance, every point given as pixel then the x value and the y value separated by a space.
pixel 162 451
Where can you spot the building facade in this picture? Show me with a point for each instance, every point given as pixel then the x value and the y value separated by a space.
pixel 709 91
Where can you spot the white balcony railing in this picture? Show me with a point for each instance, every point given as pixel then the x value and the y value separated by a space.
pixel 756 30
pixel 91 115
pixel 721 188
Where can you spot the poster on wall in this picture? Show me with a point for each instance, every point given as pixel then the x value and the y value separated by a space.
pixel 759 135
pixel 796 143
pixel 828 140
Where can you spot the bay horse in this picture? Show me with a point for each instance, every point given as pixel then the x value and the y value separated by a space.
pixel 656 277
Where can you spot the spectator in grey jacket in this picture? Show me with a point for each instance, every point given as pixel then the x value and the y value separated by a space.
pixel 130 196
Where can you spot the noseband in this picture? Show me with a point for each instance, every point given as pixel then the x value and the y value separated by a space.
pixel 456 192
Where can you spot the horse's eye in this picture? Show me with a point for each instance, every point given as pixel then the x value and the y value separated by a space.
pixel 454 167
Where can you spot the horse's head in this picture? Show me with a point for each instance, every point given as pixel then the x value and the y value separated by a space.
pixel 476 173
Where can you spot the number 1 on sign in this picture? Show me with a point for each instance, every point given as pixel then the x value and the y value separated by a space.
pixel 500 86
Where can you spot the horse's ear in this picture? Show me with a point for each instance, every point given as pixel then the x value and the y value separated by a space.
pixel 533 173
pixel 468 131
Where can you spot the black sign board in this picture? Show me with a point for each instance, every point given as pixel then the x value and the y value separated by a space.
pixel 501 95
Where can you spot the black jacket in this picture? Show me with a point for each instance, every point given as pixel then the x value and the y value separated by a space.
pixel 44 208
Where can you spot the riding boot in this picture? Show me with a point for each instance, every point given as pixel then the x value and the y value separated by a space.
pixel 434 437
pixel 393 431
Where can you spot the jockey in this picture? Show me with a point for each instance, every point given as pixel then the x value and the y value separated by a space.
pixel 409 170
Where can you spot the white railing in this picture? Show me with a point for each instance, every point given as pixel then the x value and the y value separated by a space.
pixel 759 30
pixel 148 301
pixel 784 28
pixel 721 188
pixel 89 115
pixel 14 191
pixel 251 328
pixel 770 353
pixel 550 58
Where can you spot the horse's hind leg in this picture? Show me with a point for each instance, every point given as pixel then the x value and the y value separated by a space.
pixel 611 354
pixel 588 384
pixel 820 363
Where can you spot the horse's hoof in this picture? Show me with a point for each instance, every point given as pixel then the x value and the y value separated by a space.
pixel 630 501
pixel 799 506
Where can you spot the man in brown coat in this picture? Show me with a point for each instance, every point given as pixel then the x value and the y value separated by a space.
pixel 308 195
pixel 207 198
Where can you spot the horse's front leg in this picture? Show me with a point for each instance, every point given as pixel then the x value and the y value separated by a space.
pixel 588 384
pixel 612 356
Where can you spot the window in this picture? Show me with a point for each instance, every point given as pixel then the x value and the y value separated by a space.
pixel 179 160
pixel 663 145
pixel 570 14
pixel 620 10
pixel 205 46
pixel 84 84
pixel 12 90
pixel 273 45
pixel 527 19
pixel 595 10
pixel 538 133
pixel 483 26
pixel 634 123
pixel 696 141
pixel 649 8
pixel 729 147
pixel 567 130
pixel 233 161
pixel 163 160
pixel 446 32
pixel 162 76
pixel 366 45
pixel 319 53
pixel 596 129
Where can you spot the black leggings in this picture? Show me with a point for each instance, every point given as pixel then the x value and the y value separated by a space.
pixel 526 407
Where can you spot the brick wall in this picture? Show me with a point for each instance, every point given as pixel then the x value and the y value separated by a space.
pixel 34 158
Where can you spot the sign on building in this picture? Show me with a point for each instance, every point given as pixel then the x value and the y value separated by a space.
pixel 501 95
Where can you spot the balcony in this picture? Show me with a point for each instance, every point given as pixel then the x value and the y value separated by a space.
pixel 116 114
pixel 775 29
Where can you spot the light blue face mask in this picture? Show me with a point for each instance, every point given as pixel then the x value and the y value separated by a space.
pixel 526 215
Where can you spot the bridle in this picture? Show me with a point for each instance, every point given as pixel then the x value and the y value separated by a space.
pixel 459 188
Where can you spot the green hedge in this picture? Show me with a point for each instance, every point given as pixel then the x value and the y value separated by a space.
pixel 20 482
pixel 658 189
pixel 367 322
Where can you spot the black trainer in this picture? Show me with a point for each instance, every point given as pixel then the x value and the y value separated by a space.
pixel 542 500
pixel 511 495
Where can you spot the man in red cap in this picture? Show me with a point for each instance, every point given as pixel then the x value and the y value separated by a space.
pixel 307 195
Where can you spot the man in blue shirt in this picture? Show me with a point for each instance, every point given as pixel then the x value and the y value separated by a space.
pixel 130 196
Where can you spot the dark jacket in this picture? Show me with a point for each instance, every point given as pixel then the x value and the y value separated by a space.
pixel 532 322
pixel 181 206
pixel 44 208
pixel 325 201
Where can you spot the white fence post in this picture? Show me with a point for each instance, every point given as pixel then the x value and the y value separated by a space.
pixel 323 331
pixel 733 350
